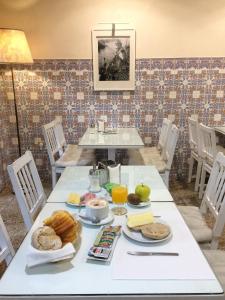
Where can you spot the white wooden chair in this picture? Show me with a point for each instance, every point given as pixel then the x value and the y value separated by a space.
pixel 209 149
pixel 216 259
pixel 195 146
pixel 159 150
pixel 62 154
pixel 164 164
pixel 214 202
pixel 6 248
pixel 27 187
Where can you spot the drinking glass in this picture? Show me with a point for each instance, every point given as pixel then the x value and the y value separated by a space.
pixel 94 183
pixel 119 198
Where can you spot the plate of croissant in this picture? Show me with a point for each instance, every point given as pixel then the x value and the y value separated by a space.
pixel 58 230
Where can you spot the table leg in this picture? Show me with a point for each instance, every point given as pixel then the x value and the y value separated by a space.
pixel 112 154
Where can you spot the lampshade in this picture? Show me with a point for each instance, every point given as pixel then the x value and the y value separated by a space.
pixel 14 47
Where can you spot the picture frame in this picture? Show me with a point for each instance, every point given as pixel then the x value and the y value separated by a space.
pixel 113 54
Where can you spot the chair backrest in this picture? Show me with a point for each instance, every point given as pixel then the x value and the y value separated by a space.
pixel 54 139
pixel 171 146
pixel 208 142
pixel 166 126
pixel 194 140
pixel 6 248
pixel 59 133
pixel 214 197
pixel 27 187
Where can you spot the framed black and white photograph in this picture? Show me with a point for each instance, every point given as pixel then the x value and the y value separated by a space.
pixel 113 59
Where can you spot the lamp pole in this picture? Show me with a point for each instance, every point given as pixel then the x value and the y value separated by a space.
pixel 16 112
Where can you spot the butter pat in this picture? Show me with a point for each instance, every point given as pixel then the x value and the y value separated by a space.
pixel 139 219
pixel 74 198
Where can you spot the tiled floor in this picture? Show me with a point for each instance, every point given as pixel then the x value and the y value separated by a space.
pixel 182 194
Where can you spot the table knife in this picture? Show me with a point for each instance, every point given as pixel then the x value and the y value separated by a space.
pixel 143 253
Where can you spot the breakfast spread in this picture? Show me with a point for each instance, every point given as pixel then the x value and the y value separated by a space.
pixel 45 238
pixel 105 243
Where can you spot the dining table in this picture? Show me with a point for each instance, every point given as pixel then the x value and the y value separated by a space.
pixel 186 275
pixel 75 179
pixel 111 139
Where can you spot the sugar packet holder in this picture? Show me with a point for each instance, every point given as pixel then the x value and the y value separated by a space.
pixel 104 244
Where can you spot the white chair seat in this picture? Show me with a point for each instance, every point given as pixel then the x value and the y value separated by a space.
pixel 70 156
pixel 196 223
pixel 213 202
pixel 159 163
pixel 216 259
pixel 134 157
pixel 74 156
pixel 152 152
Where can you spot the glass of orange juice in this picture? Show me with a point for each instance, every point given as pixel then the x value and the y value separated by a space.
pixel 119 198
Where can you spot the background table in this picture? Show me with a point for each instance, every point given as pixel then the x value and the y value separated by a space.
pixel 220 129
pixel 125 138
pixel 75 179
pixel 77 279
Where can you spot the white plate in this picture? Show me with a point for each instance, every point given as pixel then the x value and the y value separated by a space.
pixel 107 220
pixel 141 204
pixel 137 235
pixel 76 205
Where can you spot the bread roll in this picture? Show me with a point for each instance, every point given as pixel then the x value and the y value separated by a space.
pixel 45 238
pixel 156 231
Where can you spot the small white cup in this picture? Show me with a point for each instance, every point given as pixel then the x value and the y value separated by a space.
pixel 97 208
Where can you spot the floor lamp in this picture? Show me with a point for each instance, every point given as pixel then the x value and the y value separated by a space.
pixel 14 49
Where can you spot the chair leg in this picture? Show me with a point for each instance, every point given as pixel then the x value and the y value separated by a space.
pixel 198 175
pixel 214 244
pixel 54 178
pixel 202 183
pixel 191 165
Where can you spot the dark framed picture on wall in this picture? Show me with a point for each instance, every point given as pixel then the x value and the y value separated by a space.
pixel 113 59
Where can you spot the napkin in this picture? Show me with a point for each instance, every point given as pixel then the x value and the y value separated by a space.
pixel 36 257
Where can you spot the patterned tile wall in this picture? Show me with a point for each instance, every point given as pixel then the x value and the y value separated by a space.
pixel 174 88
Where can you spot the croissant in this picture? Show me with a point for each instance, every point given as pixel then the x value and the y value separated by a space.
pixel 64 225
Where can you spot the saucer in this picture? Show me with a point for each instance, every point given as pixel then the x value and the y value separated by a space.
pixel 141 204
pixel 107 220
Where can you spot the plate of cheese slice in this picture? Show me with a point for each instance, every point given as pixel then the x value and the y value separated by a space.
pixel 145 229
pixel 75 199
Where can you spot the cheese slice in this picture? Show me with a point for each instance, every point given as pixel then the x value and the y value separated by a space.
pixel 139 219
pixel 73 198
